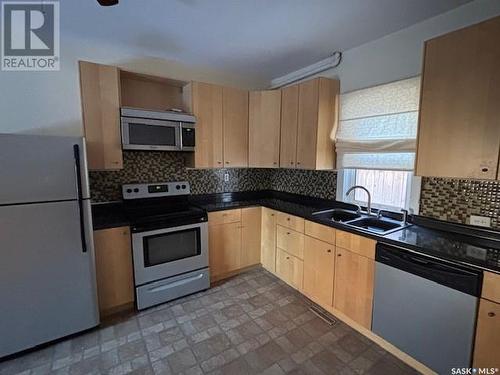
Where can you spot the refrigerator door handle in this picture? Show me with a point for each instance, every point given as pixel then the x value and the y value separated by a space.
pixel 78 171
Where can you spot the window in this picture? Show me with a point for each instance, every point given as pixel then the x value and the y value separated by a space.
pixel 389 190
pixel 376 142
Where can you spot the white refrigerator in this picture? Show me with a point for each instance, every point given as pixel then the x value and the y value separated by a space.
pixel 47 274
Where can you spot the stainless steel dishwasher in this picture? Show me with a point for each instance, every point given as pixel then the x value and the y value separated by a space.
pixel 426 307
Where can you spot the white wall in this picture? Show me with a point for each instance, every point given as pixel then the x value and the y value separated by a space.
pixel 399 55
pixel 49 102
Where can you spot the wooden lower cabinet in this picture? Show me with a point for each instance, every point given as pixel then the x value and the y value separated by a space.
pixel 289 268
pixel 250 236
pixel 319 266
pixel 290 241
pixel 487 345
pixel 353 286
pixel 268 240
pixel 114 270
pixel 224 248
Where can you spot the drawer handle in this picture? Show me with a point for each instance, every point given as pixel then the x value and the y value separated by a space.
pixel 491 314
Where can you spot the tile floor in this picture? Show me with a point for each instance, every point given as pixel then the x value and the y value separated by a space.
pixel 251 324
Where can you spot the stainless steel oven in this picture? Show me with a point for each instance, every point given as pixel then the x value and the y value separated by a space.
pixel 168 252
pixel 156 130
pixel 169 242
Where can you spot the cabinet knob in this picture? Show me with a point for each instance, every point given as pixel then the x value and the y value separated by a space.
pixel 298 163
pixel 339 255
pixel 329 251
pixel 227 162
pixel 291 163
pixel 272 214
pixel 219 162
pixel 275 163
pixel 287 257
pixel 287 219
pixel 491 314
pixel 484 170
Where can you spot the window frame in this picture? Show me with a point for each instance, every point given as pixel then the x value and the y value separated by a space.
pixel 346 178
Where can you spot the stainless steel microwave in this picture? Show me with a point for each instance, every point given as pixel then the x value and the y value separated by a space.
pixel 157 130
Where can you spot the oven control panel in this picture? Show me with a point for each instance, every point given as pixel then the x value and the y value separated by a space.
pixel 160 189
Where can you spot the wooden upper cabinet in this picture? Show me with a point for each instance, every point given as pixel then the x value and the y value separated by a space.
pixel 204 100
pixel 317 116
pixel 289 122
pixel 459 126
pixel 100 95
pixel 264 129
pixel 235 124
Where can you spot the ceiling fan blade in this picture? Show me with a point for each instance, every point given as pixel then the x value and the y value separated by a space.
pixel 107 3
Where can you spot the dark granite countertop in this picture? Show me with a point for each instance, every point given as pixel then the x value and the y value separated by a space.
pixel 453 242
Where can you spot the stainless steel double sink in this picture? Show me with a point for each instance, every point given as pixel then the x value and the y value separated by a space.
pixel 365 222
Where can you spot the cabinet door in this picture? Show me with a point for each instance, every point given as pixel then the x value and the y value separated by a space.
pixel 319 265
pixel 250 236
pixel 353 286
pixel 268 235
pixel 235 120
pixel 114 272
pixel 264 129
pixel 307 124
pixel 487 345
pixel 289 122
pixel 289 268
pixel 224 248
pixel 459 128
pixel 206 105
pixel 100 94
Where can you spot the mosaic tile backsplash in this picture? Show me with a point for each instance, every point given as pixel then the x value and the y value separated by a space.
pixel 143 167
pixel 456 199
pixel 445 199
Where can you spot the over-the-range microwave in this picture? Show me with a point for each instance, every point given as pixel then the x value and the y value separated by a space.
pixel 157 130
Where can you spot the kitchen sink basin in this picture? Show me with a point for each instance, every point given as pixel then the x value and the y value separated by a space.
pixel 374 225
pixel 338 214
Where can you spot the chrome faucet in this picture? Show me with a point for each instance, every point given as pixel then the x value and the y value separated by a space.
pixel 369 204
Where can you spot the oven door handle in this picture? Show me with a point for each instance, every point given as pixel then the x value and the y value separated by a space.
pixel 175 283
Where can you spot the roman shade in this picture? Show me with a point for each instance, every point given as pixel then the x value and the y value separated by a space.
pixel 378 127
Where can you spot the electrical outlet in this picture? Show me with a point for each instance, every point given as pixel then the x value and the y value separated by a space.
pixel 481 221
pixel 226 177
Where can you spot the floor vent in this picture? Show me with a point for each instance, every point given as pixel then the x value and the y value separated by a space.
pixel 322 314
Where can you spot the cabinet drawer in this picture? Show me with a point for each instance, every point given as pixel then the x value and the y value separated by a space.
pixel 289 268
pixel 290 241
pixel 290 221
pixel 224 217
pixel 491 287
pixel 357 244
pixel 321 232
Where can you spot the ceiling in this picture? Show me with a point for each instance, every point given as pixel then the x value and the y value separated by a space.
pixel 264 38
